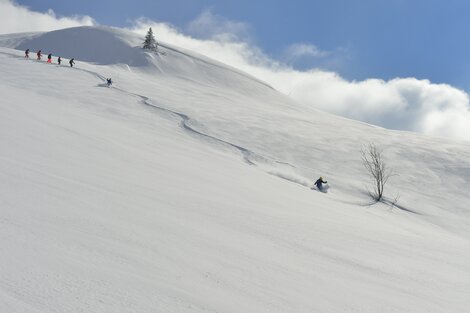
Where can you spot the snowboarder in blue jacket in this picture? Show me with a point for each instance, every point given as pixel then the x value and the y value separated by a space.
pixel 319 183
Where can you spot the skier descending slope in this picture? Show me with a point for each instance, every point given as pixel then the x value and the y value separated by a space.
pixel 39 55
pixel 71 62
pixel 49 58
pixel 26 54
pixel 319 183
pixel 109 82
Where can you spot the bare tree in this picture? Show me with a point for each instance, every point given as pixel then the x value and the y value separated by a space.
pixel 376 168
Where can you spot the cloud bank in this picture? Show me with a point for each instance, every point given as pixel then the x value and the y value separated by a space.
pixel 402 103
pixel 15 18
pixel 210 25
pixel 299 50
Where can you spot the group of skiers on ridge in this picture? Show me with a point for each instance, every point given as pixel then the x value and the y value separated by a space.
pixel 49 57
pixel 59 61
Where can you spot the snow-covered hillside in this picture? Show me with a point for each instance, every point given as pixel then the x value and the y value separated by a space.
pixel 185 188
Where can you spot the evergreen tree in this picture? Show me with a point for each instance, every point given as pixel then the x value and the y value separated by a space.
pixel 150 43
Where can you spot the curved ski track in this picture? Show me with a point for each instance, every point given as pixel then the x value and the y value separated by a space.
pixel 249 156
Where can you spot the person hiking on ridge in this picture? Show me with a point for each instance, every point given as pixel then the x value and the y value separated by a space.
pixel 319 183
pixel 39 55
pixel 59 60
pixel 49 58
pixel 71 62
pixel 26 54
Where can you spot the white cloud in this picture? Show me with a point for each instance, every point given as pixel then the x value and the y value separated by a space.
pixel 401 103
pixel 211 26
pixel 15 18
pixel 306 56
pixel 299 50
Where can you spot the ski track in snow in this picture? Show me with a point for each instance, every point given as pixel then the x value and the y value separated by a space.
pixel 249 156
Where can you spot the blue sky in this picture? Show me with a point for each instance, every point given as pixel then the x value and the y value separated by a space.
pixel 363 38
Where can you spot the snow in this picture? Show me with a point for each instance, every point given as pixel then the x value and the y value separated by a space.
pixel 185 187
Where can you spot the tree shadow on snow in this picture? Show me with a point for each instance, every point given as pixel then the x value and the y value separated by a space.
pixel 400 207
pixel 392 203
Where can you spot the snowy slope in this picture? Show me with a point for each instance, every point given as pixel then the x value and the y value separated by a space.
pixel 183 188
